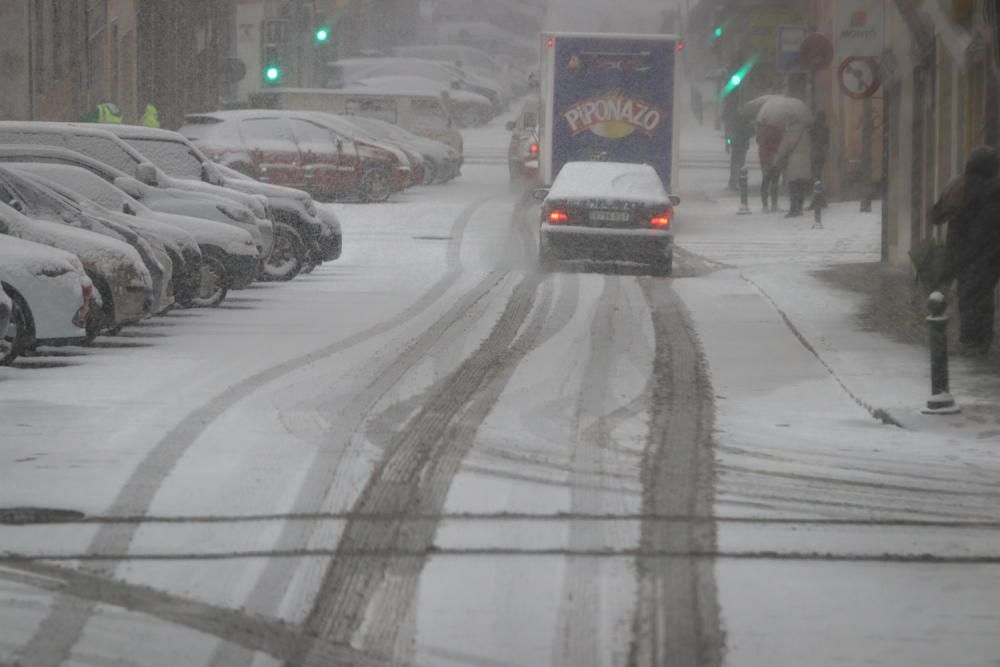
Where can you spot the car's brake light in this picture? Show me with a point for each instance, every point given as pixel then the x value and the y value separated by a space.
pixel 558 216
pixel 660 220
pixel 80 319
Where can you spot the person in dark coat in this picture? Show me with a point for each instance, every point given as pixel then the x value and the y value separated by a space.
pixel 819 135
pixel 970 204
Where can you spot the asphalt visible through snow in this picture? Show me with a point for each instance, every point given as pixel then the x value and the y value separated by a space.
pixel 476 421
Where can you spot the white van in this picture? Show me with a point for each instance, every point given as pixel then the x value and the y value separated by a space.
pixel 423 115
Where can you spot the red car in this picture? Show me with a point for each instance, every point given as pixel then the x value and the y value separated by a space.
pixel 300 150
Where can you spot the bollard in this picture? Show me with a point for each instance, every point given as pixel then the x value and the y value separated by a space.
pixel 941 401
pixel 819 202
pixel 744 182
pixel 263 176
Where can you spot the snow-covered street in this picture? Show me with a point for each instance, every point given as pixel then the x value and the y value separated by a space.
pixel 431 453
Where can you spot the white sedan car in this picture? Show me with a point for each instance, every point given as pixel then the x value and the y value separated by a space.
pixel 607 211
pixel 49 295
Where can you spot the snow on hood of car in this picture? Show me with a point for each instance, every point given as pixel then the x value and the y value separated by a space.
pixel 609 181
pixel 26 258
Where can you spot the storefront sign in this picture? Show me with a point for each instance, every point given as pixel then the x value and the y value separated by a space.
pixel 859 27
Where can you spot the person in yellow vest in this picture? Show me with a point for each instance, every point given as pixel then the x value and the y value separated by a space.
pixel 150 117
pixel 106 112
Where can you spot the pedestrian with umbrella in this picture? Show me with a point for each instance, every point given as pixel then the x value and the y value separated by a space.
pixel 781 122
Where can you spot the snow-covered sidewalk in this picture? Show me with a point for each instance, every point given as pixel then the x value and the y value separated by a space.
pixel 852 529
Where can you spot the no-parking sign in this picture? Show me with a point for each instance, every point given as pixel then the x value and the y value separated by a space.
pixel 859 77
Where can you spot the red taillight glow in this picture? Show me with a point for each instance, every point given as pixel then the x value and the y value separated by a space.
pixel 534 148
pixel 80 319
pixel 662 220
pixel 550 42
pixel 558 216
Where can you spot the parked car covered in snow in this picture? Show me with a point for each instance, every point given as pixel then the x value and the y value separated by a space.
pixel 297 228
pixel 420 111
pixel 45 295
pixel 96 142
pixel 229 242
pixel 330 240
pixel 116 269
pixel 40 201
pixel 446 76
pixel 181 248
pixel 288 149
pixel 441 163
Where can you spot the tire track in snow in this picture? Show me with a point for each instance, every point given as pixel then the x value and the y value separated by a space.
pixel 254 633
pixel 277 576
pixel 676 620
pixel 414 476
pixel 61 628
pixel 393 612
pixel 579 624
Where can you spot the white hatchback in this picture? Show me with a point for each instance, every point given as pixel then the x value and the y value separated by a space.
pixel 49 294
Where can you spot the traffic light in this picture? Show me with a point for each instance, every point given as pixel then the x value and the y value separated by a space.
pixel 738 77
pixel 273 70
pixel 322 34
pixel 717 32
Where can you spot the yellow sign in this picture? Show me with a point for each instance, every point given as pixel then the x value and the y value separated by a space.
pixel 762 27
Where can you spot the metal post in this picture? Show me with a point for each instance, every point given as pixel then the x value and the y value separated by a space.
pixel 867 131
pixel 744 182
pixel 310 177
pixel 940 401
pixel 818 204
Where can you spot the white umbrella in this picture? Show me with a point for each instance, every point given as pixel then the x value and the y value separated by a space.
pixel 780 110
pixel 753 107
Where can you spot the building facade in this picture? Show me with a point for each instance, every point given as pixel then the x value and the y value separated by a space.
pixel 62 58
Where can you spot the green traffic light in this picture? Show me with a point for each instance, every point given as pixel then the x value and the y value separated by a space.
pixel 737 78
pixel 322 35
pixel 718 31
pixel 272 73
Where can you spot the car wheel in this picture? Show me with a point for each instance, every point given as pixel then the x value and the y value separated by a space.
pixel 287 258
pixel 103 318
pixel 430 172
pixel 214 283
pixel 18 335
pixel 376 185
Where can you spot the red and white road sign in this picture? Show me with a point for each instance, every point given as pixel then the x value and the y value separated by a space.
pixel 859 77
pixel 816 51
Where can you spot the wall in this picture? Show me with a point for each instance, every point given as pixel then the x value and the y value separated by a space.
pixel 15 62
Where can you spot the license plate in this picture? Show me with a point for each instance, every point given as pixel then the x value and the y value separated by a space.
pixel 610 216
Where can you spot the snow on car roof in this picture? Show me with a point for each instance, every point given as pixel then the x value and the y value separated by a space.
pixel 608 180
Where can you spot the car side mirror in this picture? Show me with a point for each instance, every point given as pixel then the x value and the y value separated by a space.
pixel 146 173
pixel 511 125
pixel 539 194
pixel 129 186
pixel 674 200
